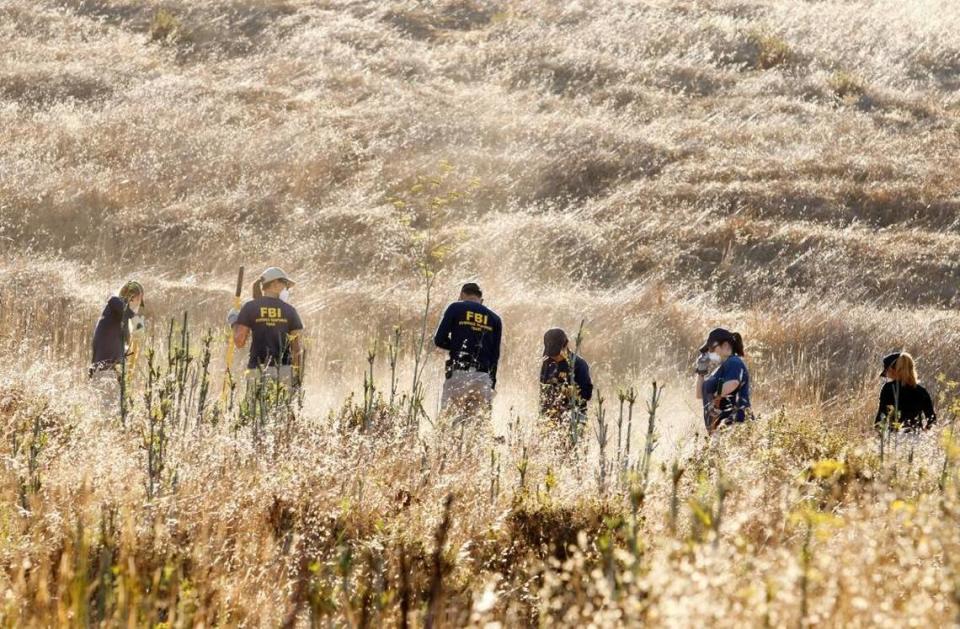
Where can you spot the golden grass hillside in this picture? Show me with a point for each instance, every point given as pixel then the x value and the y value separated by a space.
pixel 788 169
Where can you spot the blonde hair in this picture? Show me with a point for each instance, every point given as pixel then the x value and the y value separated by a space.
pixel 904 370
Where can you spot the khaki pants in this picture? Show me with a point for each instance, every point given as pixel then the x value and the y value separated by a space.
pixel 466 393
pixel 105 384
pixel 264 384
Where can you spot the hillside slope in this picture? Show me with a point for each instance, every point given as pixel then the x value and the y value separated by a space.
pixel 751 163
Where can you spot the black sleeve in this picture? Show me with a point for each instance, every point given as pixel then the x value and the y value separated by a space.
pixel 581 372
pixel 886 402
pixel 495 347
pixel 247 316
pixel 928 408
pixel 294 324
pixel 442 336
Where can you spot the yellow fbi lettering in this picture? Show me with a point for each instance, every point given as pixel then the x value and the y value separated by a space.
pixel 271 316
pixel 477 321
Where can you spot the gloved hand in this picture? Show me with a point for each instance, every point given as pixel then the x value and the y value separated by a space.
pixel 702 365
pixel 232 316
pixel 138 326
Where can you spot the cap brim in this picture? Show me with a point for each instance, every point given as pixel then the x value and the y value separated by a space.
pixel 704 348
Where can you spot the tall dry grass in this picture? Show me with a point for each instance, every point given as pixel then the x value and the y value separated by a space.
pixel 786 169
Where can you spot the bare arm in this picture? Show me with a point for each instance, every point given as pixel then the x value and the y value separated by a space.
pixel 296 352
pixel 699 387
pixel 729 387
pixel 240 335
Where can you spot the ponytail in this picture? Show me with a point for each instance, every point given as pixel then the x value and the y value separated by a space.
pixel 736 343
pixel 258 289
pixel 905 371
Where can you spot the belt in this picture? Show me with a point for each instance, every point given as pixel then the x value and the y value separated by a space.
pixel 469 369
pixel 460 365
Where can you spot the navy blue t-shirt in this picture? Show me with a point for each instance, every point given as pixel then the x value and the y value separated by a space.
pixel 108 338
pixel 271 322
pixel 555 375
pixel 736 405
pixel 471 332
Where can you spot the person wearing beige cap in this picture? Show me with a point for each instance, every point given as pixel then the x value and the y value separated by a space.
pixel 274 328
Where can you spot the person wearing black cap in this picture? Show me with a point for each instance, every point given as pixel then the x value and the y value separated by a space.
pixel 726 392
pixel 565 381
pixel 904 403
pixel 471 333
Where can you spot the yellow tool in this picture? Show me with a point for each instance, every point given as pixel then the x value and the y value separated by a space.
pixel 228 378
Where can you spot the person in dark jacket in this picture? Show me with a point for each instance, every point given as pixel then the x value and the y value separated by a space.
pixel 565 382
pixel 726 392
pixel 471 334
pixel 904 404
pixel 120 318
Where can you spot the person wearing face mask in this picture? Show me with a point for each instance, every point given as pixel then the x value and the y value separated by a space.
pixel 905 405
pixel 565 382
pixel 119 322
pixel 274 328
pixel 726 392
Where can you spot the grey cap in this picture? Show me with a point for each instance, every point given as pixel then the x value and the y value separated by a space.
pixel 275 273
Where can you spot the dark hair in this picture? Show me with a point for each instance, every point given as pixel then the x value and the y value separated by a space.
pixel 471 288
pixel 258 289
pixel 736 343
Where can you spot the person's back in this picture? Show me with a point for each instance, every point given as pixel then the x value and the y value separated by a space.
pixel 471 332
pixel 910 408
pixel 271 322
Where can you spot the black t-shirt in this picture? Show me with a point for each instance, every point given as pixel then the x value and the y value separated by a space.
pixel 108 338
pixel 912 404
pixel 271 322
pixel 554 376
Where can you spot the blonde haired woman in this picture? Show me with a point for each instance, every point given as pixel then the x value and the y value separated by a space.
pixel 903 401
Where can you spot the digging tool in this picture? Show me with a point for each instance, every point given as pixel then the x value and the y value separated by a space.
pixel 228 377
pixel 136 333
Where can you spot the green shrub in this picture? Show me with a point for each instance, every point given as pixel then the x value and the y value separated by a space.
pixel 164 27
pixel 771 50
pixel 846 85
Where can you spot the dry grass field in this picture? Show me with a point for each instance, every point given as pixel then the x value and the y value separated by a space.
pixel 789 169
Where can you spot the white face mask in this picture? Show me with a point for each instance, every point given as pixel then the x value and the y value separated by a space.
pixel 714 357
pixel 285 295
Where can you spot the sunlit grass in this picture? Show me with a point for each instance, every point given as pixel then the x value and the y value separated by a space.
pixel 786 169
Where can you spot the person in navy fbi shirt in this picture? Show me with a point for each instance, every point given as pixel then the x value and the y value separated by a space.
pixel 276 349
pixel 471 334
pixel 726 392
